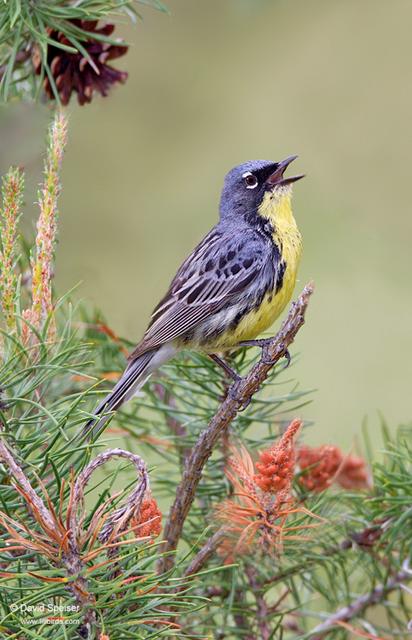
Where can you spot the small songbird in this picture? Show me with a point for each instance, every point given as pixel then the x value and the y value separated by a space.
pixel 233 285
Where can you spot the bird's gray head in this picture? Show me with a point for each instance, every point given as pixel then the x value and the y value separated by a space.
pixel 245 186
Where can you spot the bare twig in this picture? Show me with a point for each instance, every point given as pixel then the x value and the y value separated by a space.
pixel 241 620
pixel 358 606
pixel 118 520
pixel 205 553
pixel 239 396
pixel 18 474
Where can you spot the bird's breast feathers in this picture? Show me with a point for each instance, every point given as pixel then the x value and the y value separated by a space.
pixel 247 320
pixel 258 307
pixel 277 209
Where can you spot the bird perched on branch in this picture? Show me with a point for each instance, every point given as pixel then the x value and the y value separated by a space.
pixel 231 288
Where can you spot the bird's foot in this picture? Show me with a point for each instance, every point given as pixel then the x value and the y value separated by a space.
pixel 231 373
pixel 233 394
pixel 287 357
pixel 264 343
pixel 232 390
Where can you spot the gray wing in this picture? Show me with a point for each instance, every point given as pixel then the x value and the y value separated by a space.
pixel 214 275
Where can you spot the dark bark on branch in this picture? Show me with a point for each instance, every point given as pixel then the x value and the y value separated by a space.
pixel 18 474
pixel 238 397
pixel 205 553
pixel 358 606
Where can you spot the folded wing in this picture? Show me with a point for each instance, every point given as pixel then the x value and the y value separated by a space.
pixel 219 270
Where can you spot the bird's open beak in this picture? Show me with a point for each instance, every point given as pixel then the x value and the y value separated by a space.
pixel 276 179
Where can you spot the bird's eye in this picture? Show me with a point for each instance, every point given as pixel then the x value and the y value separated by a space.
pixel 250 180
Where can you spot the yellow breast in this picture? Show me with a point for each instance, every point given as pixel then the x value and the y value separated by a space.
pixel 278 210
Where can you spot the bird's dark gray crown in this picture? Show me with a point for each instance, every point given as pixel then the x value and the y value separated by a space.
pixel 236 199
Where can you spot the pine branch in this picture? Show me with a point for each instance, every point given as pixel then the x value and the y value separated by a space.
pixel 46 518
pixel 69 539
pixel 18 474
pixel 42 260
pixel 365 539
pixel 205 553
pixel 359 605
pixel 239 396
pixel 37 37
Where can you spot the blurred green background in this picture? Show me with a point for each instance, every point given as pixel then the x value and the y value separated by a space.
pixel 219 82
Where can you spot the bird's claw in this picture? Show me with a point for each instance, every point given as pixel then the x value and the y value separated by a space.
pixel 287 357
pixel 264 344
pixel 272 361
pixel 233 394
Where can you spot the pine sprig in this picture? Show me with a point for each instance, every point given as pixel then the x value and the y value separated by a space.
pixel 43 258
pixel 12 198
pixel 28 30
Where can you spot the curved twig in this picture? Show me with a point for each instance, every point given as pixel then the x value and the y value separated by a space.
pixel 119 519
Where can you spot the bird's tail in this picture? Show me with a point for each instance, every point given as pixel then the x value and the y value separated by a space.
pixel 133 378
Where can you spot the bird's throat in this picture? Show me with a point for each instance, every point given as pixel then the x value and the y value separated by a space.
pixel 276 207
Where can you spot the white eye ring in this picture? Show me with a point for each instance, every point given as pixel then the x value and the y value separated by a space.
pixel 250 180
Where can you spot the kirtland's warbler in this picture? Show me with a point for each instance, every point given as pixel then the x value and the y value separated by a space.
pixel 233 285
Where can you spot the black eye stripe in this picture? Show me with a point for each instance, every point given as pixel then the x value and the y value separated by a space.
pixel 267 171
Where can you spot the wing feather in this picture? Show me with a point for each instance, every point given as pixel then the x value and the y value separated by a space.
pixel 214 275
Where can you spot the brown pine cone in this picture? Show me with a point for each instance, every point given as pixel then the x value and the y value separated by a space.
pixel 74 72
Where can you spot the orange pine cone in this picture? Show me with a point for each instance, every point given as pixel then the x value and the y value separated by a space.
pixel 354 474
pixel 276 465
pixel 149 521
pixel 321 466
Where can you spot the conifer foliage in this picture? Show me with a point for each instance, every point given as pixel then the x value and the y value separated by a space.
pixel 199 513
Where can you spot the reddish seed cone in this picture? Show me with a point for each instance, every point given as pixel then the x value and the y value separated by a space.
pixel 321 466
pixel 255 516
pixel 276 465
pixel 354 473
pixel 74 72
pixel 149 521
